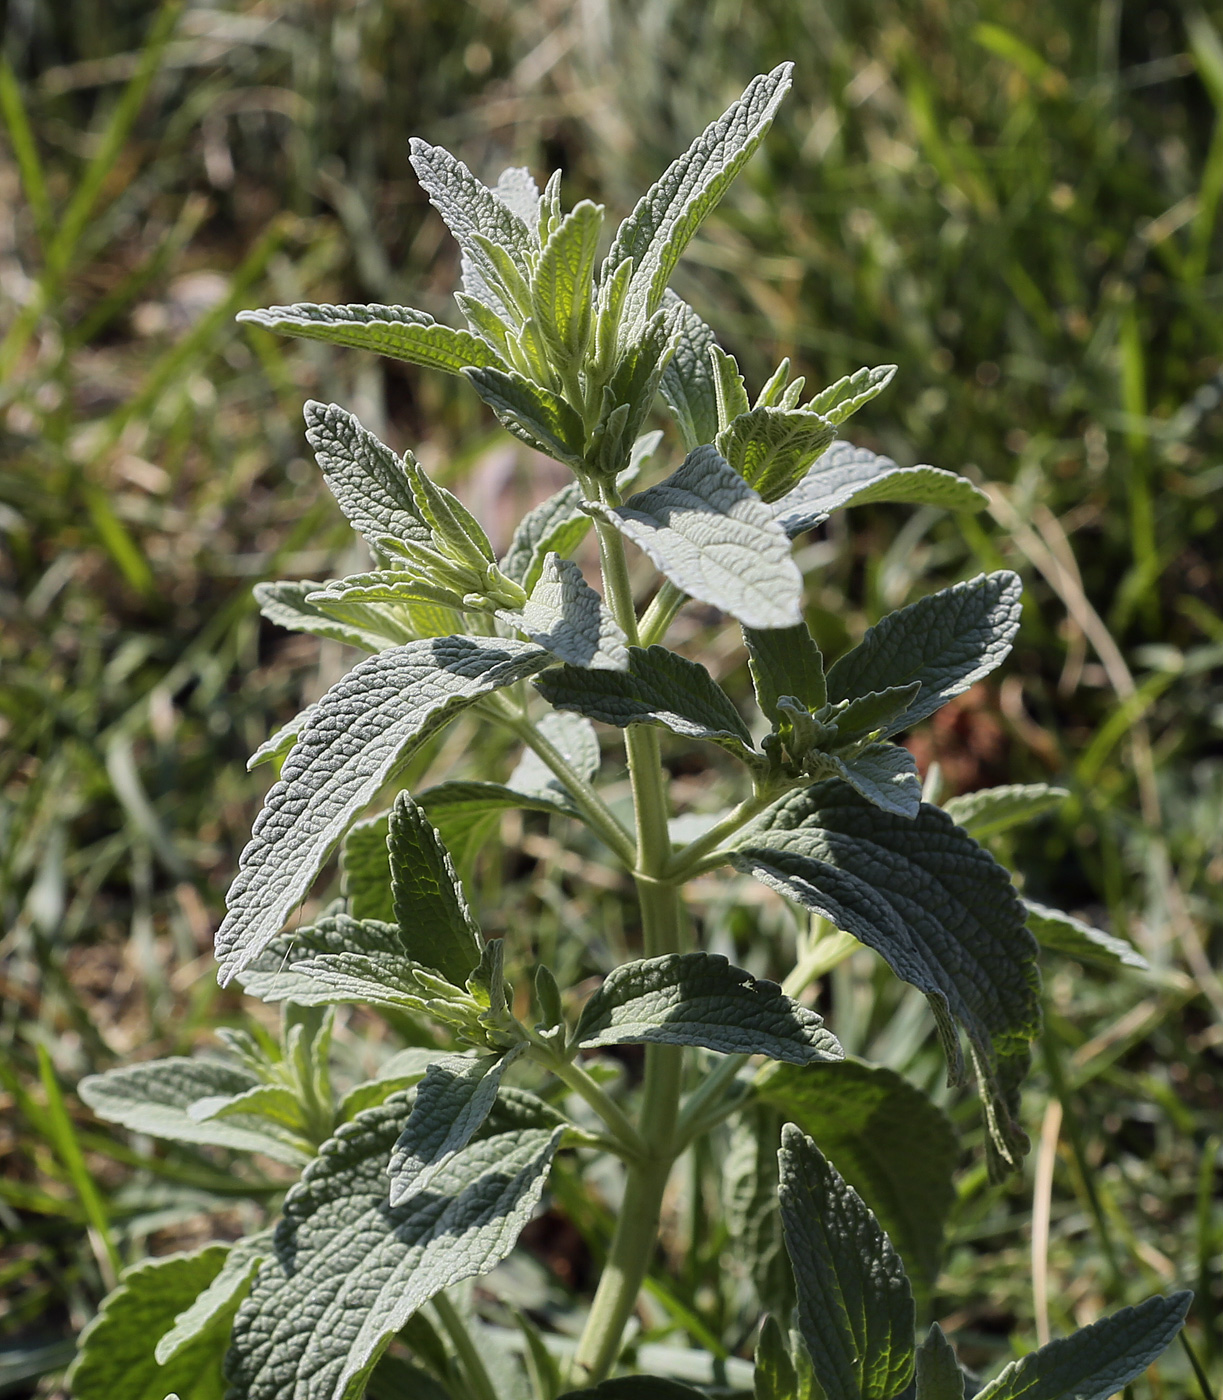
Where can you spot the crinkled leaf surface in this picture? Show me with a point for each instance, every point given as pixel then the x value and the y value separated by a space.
pixel 517 190
pixel 875 711
pixel 542 420
pixel 359 732
pixel 364 475
pixel 785 661
pixel 688 380
pixel 155 1097
pixel 563 285
pixel 435 925
pixel 659 687
pixel 277 972
pixel 855 1307
pixel 451 1104
pixel 658 230
pixel 350 1270
pixel 467 813
pixel 947 641
pixel 556 525
pixel 702 999
pixel 894 1147
pixel 397 331
pixel 772 448
pixel 1096 1361
pixel 846 475
pixel 366 871
pixel 568 617
pixel 1063 933
pixel 714 538
pixel 936 907
pixel 989 811
pixel 886 775
pixel 850 393
pixel 292 606
pixel 404 1070
pixel 115 1351
pixel 749 1197
pixel 216 1305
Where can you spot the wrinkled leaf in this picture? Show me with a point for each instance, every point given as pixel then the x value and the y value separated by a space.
pixel 749 1195
pixel 886 775
pixel 278 972
pixel 556 525
pixel 939 1376
pixel 290 605
pixel 688 380
pixel 849 394
pixel 568 617
pixel 990 811
pixel 772 448
pixel 785 661
pixel 538 417
pixel 215 1305
pixel 563 286
pixel 1063 933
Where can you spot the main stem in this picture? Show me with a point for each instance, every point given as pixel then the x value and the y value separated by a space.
pixel 663 928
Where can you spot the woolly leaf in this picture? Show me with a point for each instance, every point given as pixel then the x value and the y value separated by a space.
pixel 990 811
pixel 575 740
pixel 215 1305
pixel 558 525
pixel 886 775
pixel 568 617
pixel 702 999
pixel 540 418
pixel 848 395
pixel 749 1194
pixel 772 448
pixel 688 380
pixel 279 972
pixel 562 289
pixel 785 661
pixel 1063 933
pixel 366 725
pixel 855 1307
pixel 294 606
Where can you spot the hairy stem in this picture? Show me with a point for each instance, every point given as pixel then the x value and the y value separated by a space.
pixel 482 1387
pixel 691 858
pixel 574 1077
pixel 661 613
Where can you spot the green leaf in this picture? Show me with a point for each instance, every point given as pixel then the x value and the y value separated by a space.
pixel 750 1180
pixel 540 418
pixel 659 687
pixel 358 734
pixel 568 617
pixel 477 218
pixel 702 999
pixel 435 925
pixel 396 331
pixel 775 1377
pixel 630 394
pixel 713 537
pixel 363 474
pixel 154 1098
pixel 404 1070
pixel 216 1305
pixel 466 813
pixel 730 392
pixel 934 905
pixel 772 448
pixel 637 1388
pixel 558 525
pixel 1096 1361
pixel 456 532
pixel 278 744
pixel 658 230
pixel 1063 933
pixel 115 1351
pixel 990 811
pixel 350 1271
pixel 450 1107
pixel 562 289
pixel 855 1307
pixel 848 395
pixel 939 1376
pixel 894 1147
pixel 575 739
pixel 785 661
pixel 886 775
pixel 366 871
pixel 874 712
pixel 853 476
pixel 947 641
pixel 292 606
pixel 688 380
pixel 280 972
pixel 351 597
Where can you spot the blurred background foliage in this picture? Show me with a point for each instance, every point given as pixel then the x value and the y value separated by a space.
pixel 1016 200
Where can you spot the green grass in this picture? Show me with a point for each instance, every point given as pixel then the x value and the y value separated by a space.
pixel 1016 203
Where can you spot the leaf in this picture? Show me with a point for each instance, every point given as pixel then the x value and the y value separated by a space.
pixel 1063 933
pixel 1096 1361
pixel 785 661
pixel 517 190
pixel 278 744
pixel 772 448
pixel 154 1098
pixel 990 811
pixel 350 1271
pixel 895 1147
pixel 749 1195
pixel 556 525
pixel 451 1105
pixel 658 230
pixel 366 871
pixel 886 775
pixel 216 1305
pixel 352 596
pixel 540 418
pixel 948 641
pixel 775 1377
pixel 435 925
pixel 404 1070
pixel 359 733
pixel 939 1376
pixel 728 387
pixel 562 289
pixel 848 395
pixel 289 605
pixel 855 1307
pixel 637 1388
pixel 465 813
pixel 713 537
pixel 659 687
pixel 568 617
pixel 396 331
pixel 872 712
pixel 853 476
pixel 630 393
pixel 934 905
pixel 476 217
pixel 688 381
pixel 115 1351
pixel 702 999
pixel 278 972
pixel 364 475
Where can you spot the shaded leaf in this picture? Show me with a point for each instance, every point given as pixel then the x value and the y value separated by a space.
pixel 990 811
pixel 939 1376
pixel 750 1180
pixel 886 775
pixel 538 417
pixel 1063 933
pixel 365 870
pixel 775 1377
pixel 214 1306
pixel 290 605
pixel 688 380
pixel 637 1388
pixel 568 617
pixel 785 661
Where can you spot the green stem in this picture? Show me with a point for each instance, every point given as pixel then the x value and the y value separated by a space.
pixel 482 1387
pixel 690 858
pixel 574 1077
pixel 661 613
